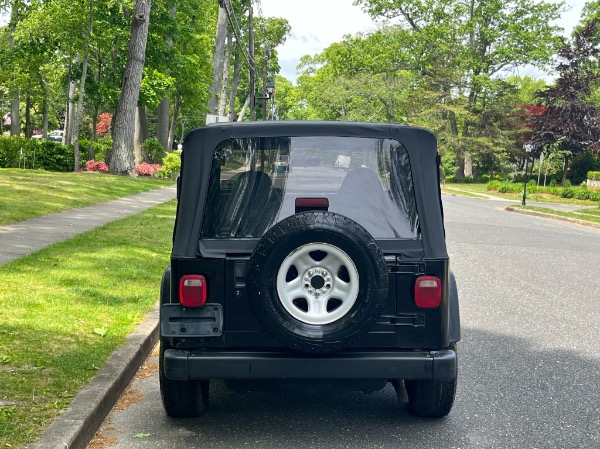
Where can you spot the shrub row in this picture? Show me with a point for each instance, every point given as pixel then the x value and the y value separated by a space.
pixel 595 175
pixel 20 152
pixel 579 193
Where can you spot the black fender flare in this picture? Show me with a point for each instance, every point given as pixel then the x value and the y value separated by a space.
pixel 165 286
pixel 454 312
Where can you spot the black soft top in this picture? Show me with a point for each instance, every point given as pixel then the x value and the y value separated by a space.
pixel 199 146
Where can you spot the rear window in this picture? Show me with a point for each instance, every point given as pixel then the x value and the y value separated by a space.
pixel 255 183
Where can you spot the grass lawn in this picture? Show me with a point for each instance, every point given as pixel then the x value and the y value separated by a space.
pixel 592 215
pixel 26 194
pixel 473 189
pixel 65 309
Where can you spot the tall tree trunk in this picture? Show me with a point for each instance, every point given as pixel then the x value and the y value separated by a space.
pixel 137 138
pixel 252 69
pixel 162 124
pixel 140 135
pixel 173 121
pixel 84 67
pixel 244 109
pixel 122 161
pixel 162 115
pixel 218 55
pixel 235 82
pixel 45 117
pixel 27 115
pixel 225 82
pixel 15 103
pixel 67 136
pixel 92 150
pixel 44 89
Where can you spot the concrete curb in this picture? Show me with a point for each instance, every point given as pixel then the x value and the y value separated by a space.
pixel 552 216
pixel 76 426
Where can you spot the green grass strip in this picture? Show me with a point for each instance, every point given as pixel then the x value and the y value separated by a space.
pixel 26 194
pixel 539 197
pixel 67 308
pixel 591 215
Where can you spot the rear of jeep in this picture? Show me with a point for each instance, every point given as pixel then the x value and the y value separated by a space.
pixel 337 277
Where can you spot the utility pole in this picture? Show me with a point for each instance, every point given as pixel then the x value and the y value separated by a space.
pixel 252 67
pixel 264 85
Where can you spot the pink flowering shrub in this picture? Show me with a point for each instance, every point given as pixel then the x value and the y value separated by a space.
pixel 145 169
pixel 95 166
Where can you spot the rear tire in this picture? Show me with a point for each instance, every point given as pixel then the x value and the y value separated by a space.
pixel 431 398
pixel 182 398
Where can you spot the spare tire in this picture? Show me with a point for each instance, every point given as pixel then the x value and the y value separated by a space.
pixel 317 281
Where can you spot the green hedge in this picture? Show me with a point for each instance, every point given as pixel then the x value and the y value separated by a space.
pixel 579 193
pixel 18 152
pixel 595 175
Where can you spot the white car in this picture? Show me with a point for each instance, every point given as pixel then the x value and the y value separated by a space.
pixel 55 136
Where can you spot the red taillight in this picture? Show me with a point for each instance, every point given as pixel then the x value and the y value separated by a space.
pixel 192 290
pixel 428 292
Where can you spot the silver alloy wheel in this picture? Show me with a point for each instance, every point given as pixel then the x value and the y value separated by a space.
pixel 317 283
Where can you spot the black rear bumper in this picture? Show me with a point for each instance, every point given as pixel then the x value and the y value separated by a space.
pixel 188 365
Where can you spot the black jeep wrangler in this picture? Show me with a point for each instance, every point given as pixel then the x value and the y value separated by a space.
pixel 337 276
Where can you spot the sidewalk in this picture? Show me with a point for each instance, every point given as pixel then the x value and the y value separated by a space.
pixel 23 238
pixel 76 425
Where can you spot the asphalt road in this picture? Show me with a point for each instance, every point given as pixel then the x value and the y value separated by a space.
pixel 529 373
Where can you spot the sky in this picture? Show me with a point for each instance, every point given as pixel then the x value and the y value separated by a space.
pixel 316 24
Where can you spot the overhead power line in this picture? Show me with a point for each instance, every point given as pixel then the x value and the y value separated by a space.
pixel 233 21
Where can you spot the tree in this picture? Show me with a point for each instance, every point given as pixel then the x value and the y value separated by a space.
pixel 121 160
pixel 571 123
pixel 79 112
pixel 463 47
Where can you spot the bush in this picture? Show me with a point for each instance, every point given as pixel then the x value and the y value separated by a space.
pixel 493 185
pixel 595 175
pixel 102 149
pixel 18 152
pixel 171 165
pixel 95 166
pixel 145 169
pixel 153 150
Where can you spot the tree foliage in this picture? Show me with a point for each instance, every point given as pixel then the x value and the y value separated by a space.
pixel 570 120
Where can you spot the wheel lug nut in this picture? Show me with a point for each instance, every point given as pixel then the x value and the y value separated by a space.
pixel 310 272
pixel 317 294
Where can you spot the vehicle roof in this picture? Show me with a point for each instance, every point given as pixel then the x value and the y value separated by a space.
pixel 200 143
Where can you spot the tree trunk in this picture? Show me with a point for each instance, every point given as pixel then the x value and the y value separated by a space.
pixel 162 116
pixel 468 165
pixel 122 161
pixel 137 138
pixel 27 116
pixel 252 68
pixel 218 56
pixel 67 136
pixel 45 117
pixel 15 104
pixel 225 83
pixel 235 82
pixel 173 122
pixel 92 150
pixel 84 67
pixel 244 109
pixel 162 124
